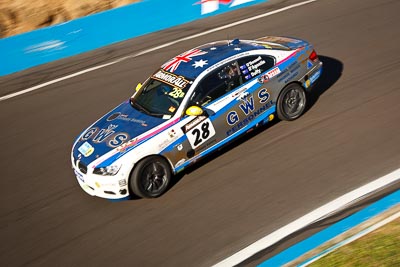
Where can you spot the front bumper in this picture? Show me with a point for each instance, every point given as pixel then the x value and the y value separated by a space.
pixel 110 187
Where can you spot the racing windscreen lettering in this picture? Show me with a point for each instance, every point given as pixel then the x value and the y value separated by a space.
pixel 171 79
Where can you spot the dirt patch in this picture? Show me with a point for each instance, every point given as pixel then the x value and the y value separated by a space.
pixel 20 16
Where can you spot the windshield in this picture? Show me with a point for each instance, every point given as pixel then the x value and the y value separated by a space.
pixel 161 95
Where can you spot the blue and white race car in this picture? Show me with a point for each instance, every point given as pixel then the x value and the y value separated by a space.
pixel 195 103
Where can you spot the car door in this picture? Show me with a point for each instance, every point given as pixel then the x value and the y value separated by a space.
pixel 229 96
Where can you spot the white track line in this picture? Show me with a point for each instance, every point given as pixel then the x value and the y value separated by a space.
pixel 310 218
pixel 154 49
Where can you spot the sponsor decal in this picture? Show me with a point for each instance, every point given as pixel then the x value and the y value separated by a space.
pixel 172 133
pixel 180 147
pixel 302 58
pixel 113 116
pixel 243 96
pixel 186 57
pixel 172 137
pixel 238 92
pixel 241 124
pixel 102 135
pixel 263 78
pixel 171 79
pixel 309 64
pixel 118 139
pixel 164 144
pixel 179 163
pixel 125 117
pixel 294 66
pixel 177 93
pixel 315 76
pixel 193 123
pixel 89 133
pixel 270 74
pixel 291 72
pixel 312 78
pixel 291 77
pixel 275 71
pixel 171 109
pixel 126 145
pixel 307 84
pixel 206 145
pixel 247 107
pixel 86 149
pixel 166 117
pixel 79 176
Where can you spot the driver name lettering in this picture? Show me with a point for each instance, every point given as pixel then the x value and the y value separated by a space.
pixel 255 64
pixel 252 68
pixel 171 79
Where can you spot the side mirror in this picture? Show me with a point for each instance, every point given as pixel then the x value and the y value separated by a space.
pixel 138 86
pixel 194 111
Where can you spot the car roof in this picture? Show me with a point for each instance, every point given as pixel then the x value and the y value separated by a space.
pixel 192 63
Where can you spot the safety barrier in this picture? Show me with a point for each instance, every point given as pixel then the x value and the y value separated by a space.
pixel 41 46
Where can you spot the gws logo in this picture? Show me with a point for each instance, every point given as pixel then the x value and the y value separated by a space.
pixel 101 135
pixel 247 106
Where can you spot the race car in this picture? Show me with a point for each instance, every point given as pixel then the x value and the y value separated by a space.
pixel 194 104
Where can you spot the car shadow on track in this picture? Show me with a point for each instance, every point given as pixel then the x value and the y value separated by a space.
pixel 332 71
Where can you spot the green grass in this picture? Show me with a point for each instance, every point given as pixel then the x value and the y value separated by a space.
pixel 378 248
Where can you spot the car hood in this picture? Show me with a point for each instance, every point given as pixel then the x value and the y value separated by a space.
pixel 115 128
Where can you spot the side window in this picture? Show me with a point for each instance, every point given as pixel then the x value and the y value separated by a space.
pixel 252 66
pixel 230 76
pixel 217 83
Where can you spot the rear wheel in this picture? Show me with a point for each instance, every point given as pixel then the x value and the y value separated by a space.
pixel 291 102
pixel 150 177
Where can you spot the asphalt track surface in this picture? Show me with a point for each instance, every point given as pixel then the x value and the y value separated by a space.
pixel 349 136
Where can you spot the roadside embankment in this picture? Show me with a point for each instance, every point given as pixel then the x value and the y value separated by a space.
pixel 21 16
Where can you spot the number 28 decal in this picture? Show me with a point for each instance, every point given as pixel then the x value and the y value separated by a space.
pixel 201 133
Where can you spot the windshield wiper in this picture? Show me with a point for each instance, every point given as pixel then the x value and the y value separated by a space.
pixel 139 107
pixel 143 109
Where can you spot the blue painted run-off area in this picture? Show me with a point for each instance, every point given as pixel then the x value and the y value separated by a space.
pixel 84 34
pixel 327 234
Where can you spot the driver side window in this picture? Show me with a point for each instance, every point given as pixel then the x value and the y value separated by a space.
pixel 229 77
pixel 217 84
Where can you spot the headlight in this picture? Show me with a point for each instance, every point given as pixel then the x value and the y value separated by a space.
pixel 109 170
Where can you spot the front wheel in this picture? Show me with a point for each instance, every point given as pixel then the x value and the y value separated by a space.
pixel 150 177
pixel 291 102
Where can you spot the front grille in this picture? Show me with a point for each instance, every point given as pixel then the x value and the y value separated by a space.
pixel 82 167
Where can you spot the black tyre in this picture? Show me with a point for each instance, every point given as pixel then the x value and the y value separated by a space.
pixel 150 177
pixel 291 102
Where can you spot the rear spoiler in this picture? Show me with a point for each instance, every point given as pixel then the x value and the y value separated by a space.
pixel 286 42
